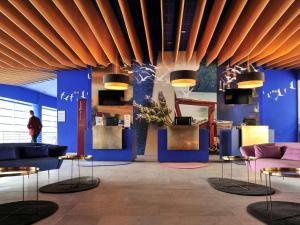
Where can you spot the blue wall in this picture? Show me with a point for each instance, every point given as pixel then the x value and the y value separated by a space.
pixel 71 86
pixel 278 104
pixel 26 95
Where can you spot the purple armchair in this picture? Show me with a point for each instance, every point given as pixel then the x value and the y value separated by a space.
pixel 271 162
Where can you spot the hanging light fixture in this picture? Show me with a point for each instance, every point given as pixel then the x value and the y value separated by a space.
pixel 183 78
pixel 116 81
pixel 250 79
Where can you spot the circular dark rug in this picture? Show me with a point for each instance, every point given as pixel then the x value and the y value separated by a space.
pixel 71 185
pixel 26 212
pixel 238 187
pixel 283 213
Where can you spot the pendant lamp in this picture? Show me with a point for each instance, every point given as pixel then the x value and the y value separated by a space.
pixel 250 79
pixel 116 81
pixel 183 78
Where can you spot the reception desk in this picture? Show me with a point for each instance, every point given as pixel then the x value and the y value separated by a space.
pixel 112 143
pixel 185 150
pixel 232 139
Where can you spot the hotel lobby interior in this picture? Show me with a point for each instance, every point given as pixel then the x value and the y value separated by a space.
pixel 149 112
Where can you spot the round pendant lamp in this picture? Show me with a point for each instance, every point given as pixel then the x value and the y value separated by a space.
pixel 250 80
pixel 116 81
pixel 183 78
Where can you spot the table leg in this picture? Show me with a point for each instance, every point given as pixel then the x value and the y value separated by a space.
pixel 92 170
pixel 23 189
pixel 78 170
pixel 248 173
pixel 72 172
pixel 37 185
pixel 255 170
pixel 230 170
pixel 270 195
pixel 222 169
pixel 267 200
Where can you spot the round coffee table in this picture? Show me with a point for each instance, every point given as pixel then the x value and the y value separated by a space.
pixel 232 159
pixel 277 172
pixel 21 171
pixel 73 157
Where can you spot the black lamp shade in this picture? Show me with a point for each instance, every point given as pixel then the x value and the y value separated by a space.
pixel 183 78
pixel 116 81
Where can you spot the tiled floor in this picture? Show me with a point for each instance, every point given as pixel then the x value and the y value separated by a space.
pixel 143 193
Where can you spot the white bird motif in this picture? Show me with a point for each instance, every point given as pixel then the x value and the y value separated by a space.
pixel 143 79
pixel 279 93
pixel 186 93
pixel 269 96
pixel 292 85
pixel 82 94
pixel 284 90
pixel 89 76
pixel 62 95
pixel 67 98
pixel 71 97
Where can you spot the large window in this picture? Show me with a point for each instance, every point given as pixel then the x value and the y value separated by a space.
pixel 14 117
pixel 49 121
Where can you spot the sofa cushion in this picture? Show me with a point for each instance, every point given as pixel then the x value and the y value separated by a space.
pixel 250 151
pixel 270 163
pixel 7 153
pixel 265 151
pixel 35 151
pixel 291 154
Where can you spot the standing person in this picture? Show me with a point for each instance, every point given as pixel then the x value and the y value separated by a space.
pixel 34 126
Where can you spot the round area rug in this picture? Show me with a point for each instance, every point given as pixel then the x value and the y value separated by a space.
pixel 283 213
pixel 183 165
pixel 102 163
pixel 71 185
pixel 238 187
pixel 26 212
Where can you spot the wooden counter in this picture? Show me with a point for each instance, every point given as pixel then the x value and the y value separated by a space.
pixel 107 137
pixel 183 137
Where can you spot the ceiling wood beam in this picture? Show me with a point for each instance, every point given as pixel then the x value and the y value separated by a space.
pixel 19 49
pixel 99 29
pixel 291 54
pixel 195 28
pixel 295 66
pixel 292 59
pixel 11 62
pixel 291 64
pixel 276 30
pixel 43 26
pixel 11 54
pixel 251 13
pixel 15 16
pixel 115 30
pixel 147 30
pixel 271 14
pixel 179 26
pixel 289 31
pixel 132 34
pixel 72 14
pixel 57 20
pixel 285 48
pixel 210 29
pixel 232 15
pixel 16 33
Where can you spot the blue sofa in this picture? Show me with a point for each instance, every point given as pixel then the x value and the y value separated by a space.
pixel 43 156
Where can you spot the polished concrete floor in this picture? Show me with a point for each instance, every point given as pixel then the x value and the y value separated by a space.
pixel 143 193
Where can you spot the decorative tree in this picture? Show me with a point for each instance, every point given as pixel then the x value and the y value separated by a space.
pixel 155 112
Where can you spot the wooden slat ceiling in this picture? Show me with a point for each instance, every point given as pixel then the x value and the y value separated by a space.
pixel 50 35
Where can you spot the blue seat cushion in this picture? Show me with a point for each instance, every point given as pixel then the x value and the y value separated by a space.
pixel 7 153
pixel 35 151
pixel 46 163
